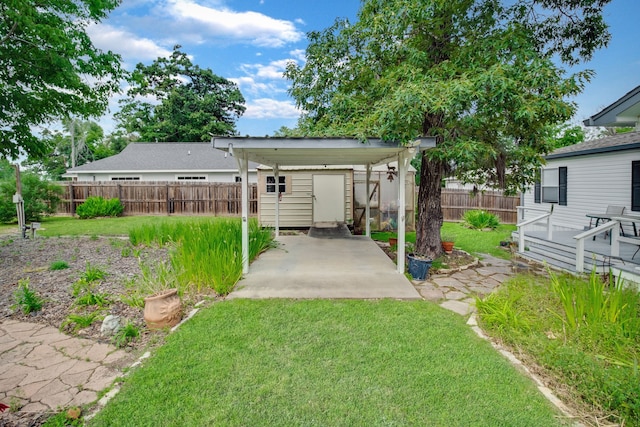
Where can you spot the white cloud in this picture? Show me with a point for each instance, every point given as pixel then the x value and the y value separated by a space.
pixel 265 108
pixel 125 43
pixel 299 55
pixel 253 27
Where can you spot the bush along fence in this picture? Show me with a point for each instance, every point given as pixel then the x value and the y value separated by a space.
pixel 157 198
pixel 456 202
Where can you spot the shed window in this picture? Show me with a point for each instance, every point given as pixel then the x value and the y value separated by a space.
pixel 271 184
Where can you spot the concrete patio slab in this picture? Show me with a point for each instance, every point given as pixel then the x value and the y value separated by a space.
pixel 305 267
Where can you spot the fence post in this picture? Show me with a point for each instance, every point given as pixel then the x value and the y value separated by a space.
pixel 72 207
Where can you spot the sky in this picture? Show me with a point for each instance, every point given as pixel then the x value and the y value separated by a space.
pixel 251 41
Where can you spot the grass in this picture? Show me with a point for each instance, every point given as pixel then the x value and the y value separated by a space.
pixel 320 362
pixel 26 298
pixel 68 226
pixel 472 241
pixel 584 334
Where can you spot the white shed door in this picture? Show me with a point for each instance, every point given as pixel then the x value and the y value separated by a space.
pixel 328 198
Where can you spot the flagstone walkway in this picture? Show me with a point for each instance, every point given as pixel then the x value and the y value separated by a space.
pixel 43 369
pixel 456 291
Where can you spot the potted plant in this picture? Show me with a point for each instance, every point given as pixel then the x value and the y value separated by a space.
pixel 417 265
pixel 447 243
pixel 393 240
pixel 163 309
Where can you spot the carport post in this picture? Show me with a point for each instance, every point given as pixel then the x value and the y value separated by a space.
pixel 403 161
pixel 276 176
pixel 367 208
pixel 244 174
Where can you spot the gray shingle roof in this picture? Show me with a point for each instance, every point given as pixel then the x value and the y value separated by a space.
pixel 623 141
pixel 164 156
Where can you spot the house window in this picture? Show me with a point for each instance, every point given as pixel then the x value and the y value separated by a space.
pixel 271 184
pixel 635 186
pixel 553 186
pixel 237 179
pixel 191 178
pixel 125 178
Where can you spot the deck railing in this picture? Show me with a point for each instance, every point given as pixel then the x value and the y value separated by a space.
pixel 580 238
pixel 545 216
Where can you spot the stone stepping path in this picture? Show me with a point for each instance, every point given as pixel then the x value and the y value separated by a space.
pixel 42 369
pixel 456 291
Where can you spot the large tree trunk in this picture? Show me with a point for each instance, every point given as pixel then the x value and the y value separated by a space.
pixel 429 209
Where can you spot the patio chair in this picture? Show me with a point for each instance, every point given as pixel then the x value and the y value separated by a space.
pixel 611 211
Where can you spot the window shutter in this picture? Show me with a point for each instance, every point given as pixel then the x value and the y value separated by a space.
pixel 562 186
pixel 536 192
pixel 635 186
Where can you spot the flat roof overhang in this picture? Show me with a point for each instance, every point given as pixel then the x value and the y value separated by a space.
pixel 318 151
pixel 278 152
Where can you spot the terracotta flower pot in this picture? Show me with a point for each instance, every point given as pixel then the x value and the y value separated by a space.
pixel 393 241
pixel 163 309
pixel 447 247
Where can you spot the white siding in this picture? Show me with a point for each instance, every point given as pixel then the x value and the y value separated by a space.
pixel 222 176
pixel 593 182
pixel 296 205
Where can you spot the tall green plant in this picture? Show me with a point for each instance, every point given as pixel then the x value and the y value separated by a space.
pixel 591 303
pixel 205 254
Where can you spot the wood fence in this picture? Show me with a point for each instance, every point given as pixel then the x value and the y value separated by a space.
pixel 456 202
pixel 162 198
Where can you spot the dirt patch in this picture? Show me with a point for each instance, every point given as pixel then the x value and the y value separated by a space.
pixel 31 260
pixel 447 262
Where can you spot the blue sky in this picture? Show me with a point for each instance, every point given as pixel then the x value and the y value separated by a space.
pixel 250 41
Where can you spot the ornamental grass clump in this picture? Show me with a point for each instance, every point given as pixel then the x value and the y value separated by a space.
pixel 480 220
pixel 205 254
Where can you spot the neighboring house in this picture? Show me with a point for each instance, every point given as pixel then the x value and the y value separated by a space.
pixel 588 177
pixel 164 161
pixel 332 193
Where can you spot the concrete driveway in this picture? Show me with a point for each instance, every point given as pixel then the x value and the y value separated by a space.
pixel 308 267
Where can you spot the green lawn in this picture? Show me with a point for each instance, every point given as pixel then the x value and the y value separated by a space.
pixel 326 363
pixel 68 226
pixel 472 241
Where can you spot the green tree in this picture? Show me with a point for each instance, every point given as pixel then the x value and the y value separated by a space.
pixel 193 102
pixel 80 142
pixel 50 69
pixel 40 196
pixel 476 75
pixel 565 135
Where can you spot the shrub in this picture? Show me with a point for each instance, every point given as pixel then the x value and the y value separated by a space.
pixel 95 207
pixel 479 219
pixel 40 198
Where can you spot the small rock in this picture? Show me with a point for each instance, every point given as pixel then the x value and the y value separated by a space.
pixel 110 325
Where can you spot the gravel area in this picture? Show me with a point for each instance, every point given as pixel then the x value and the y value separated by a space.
pixel 31 259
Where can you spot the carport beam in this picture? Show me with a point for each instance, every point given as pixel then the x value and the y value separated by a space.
pixel 367 208
pixel 276 177
pixel 244 174
pixel 403 162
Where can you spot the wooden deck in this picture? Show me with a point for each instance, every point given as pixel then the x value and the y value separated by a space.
pixel 561 252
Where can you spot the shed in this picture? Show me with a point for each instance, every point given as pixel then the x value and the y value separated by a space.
pixel 300 186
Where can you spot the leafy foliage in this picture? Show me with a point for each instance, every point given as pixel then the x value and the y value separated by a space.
pixel 58 265
pixel 126 334
pixel 580 331
pixel 479 219
pixel 95 207
pixel 193 102
pixel 26 298
pixel 40 197
pixel 50 69
pixel 476 75
pixel 76 321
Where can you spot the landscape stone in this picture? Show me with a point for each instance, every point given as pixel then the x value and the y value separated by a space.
pixel 459 307
pixel 110 325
